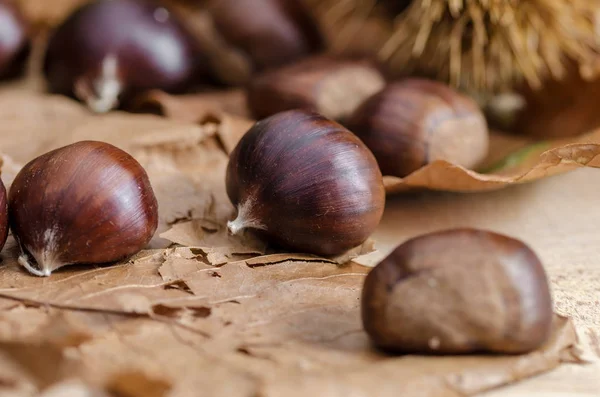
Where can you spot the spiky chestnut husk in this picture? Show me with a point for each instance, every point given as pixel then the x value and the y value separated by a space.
pixel 306 183
pixel 109 50
pixel 86 203
pixel 480 45
pixel 3 215
pixel 14 40
pixel 458 291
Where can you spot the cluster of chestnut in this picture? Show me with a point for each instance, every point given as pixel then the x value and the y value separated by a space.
pixel 309 184
pixel 108 51
pixel 298 177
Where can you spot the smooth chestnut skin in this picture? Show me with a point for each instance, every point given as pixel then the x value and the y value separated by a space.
pixel 14 40
pixel 86 203
pixel 306 183
pixel 110 50
pixel 3 215
pixel 270 33
pixel 458 291
pixel 332 87
pixel 414 122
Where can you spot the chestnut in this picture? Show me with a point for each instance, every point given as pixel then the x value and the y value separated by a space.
pixel 14 40
pixel 332 87
pixel 306 183
pixel 3 215
pixel 458 291
pixel 414 122
pixel 267 33
pixel 109 50
pixel 86 203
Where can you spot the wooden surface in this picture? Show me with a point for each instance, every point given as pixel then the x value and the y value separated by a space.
pixel 560 219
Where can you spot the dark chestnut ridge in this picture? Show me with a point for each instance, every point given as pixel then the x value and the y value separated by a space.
pixel 109 50
pixel 14 41
pixel 88 202
pixel 306 183
pixel 458 291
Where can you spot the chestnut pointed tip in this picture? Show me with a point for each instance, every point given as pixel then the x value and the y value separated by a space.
pixel 245 219
pixel 101 94
pixel 234 227
pixel 42 271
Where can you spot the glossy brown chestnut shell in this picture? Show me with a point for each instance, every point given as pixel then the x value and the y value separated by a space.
pixel 332 87
pixel 3 215
pixel 458 291
pixel 14 40
pixel 306 183
pixel 86 203
pixel 270 33
pixel 414 122
pixel 110 50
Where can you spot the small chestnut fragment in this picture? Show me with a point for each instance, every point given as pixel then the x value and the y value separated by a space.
pixel 14 40
pixel 109 50
pixel 332 87
pixel 306 183
pixel 458 291
pixel 86 203
pixel 414 122
pixel 269 33
pixel 3 215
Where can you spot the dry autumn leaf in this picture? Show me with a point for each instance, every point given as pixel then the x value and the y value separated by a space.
pixel 224 316
pixel 201 312
pixel 273 327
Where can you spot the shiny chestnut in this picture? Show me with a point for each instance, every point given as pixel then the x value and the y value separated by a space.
pixel 14 40
pixel 458 291
pixel 330 86
pixel 265 34
pixel 86 203
pixel 110 50
pixel 414 122
pixel 306 183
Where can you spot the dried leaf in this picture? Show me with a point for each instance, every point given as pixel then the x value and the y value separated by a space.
pixel 228 317
pixel 283 328
pixel 194 107
pixel 541 160
pixel 135 384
